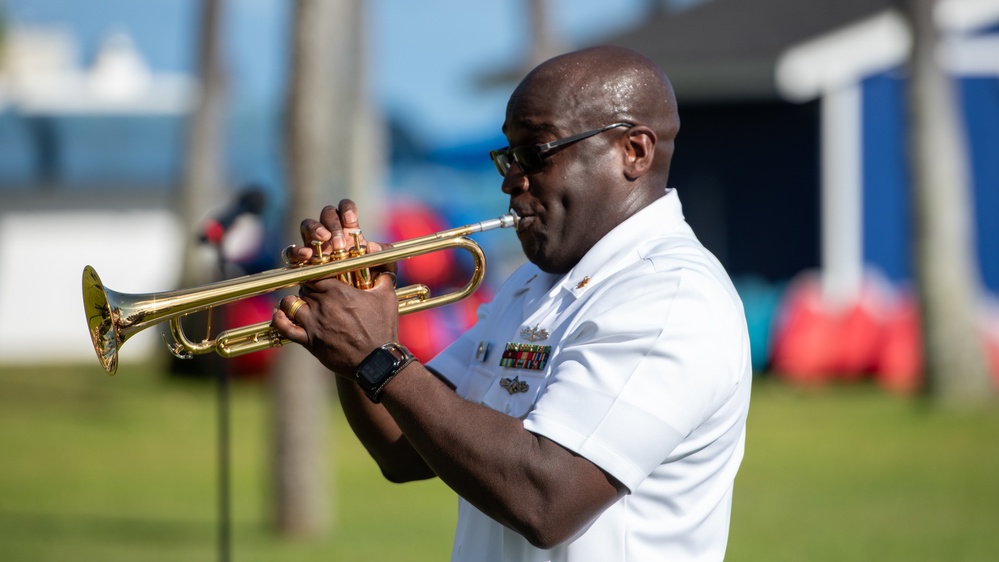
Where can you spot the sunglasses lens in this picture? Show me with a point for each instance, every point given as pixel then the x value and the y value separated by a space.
pixel 529 158
pixel 501 158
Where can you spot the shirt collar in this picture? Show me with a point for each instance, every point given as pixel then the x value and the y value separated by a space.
pixel 621 245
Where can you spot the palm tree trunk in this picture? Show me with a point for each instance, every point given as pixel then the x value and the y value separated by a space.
pixel 301 494
pixel 947 275
pixel 202 183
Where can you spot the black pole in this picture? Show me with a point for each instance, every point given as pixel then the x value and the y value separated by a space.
pixel 225 523
pixel 222 399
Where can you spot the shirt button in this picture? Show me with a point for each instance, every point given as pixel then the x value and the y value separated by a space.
pixel 507 408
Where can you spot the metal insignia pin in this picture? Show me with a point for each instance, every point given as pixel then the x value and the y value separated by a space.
pixel 536 333
pixel 482 353
pixel 583 283
pixel 514 385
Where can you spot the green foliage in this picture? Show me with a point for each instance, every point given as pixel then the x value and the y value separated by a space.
pixel 121 469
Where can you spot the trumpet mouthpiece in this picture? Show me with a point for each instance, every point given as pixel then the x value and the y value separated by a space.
pixel 511 220
pixel 502 221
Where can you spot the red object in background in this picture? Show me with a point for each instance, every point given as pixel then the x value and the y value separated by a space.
pixel 428 332
pixel 214 232
pixel 900 363
pixel 991 331
pixel 993 348
pixel 803 349
pixel 878 336
pixel 861 332
pixel 412 220
pixel 815 341
pixel 900 369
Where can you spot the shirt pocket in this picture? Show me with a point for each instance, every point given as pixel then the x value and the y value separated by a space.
pixel 474 386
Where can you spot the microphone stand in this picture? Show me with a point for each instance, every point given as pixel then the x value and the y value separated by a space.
pixel 223 448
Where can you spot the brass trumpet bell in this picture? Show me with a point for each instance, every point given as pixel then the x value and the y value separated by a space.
pixel 113 317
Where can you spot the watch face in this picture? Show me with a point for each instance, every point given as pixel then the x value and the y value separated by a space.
pixel 378 365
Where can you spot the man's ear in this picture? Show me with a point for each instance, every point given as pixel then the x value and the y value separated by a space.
pixel 639 151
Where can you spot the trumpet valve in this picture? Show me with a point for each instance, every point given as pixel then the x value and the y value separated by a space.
pixel 317 252
pixel 342 254
pixel 362 278
pixel 358 249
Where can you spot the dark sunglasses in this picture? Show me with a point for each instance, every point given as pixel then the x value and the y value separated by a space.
pixel 531 158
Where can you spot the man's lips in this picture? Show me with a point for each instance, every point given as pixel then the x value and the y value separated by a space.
pixel 525 221
pixel 521 213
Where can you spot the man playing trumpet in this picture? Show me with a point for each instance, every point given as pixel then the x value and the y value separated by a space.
pixel 597 409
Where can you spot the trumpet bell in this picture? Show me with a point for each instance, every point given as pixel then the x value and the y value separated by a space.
pixel 102 320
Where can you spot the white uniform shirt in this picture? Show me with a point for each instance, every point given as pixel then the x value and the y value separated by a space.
pixel 648 376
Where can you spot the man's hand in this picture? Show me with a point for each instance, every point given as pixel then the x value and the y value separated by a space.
pixel 332 229
pixel 339 324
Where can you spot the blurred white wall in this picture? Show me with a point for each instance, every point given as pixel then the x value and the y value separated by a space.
pixel 44 247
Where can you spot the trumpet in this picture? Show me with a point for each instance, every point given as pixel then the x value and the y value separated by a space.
pixel 113 317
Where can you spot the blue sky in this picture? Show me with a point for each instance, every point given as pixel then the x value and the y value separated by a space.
pixel 423 54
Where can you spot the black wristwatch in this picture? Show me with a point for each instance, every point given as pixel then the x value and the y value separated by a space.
pixel 380 366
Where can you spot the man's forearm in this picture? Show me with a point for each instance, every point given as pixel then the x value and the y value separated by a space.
pixel 380 435
pixel 526 482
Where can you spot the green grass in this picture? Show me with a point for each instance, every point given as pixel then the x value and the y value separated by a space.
pixel 124 468
pixel 850 473
pixel 93 468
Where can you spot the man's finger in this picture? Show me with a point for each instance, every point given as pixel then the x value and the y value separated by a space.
pixel 289 329
pixel 351 221
pixel 311 230
pixel 331 220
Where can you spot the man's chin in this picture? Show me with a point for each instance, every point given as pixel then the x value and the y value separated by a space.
pixel 533 253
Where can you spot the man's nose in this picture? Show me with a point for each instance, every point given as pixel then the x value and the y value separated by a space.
pixel 515 179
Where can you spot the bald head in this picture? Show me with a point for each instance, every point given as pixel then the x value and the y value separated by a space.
pixel 608 84
pixel 579 172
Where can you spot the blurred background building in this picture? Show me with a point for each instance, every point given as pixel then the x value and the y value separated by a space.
pixel 791 162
